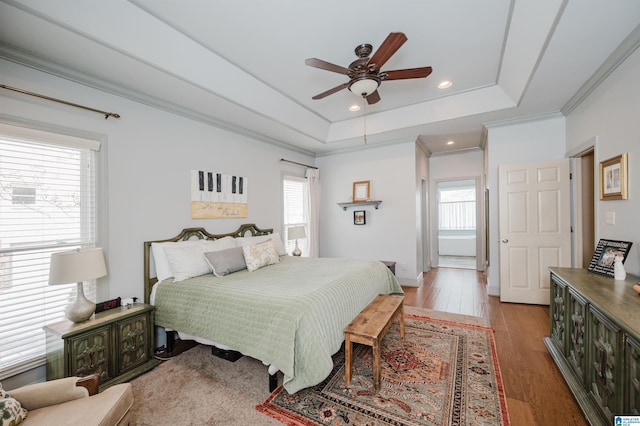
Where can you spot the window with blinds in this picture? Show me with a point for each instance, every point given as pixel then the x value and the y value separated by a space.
pixel 47 204
pixel 295 191
pixel 457 209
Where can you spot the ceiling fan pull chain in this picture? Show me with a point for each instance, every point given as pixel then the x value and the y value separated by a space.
pixel 364 102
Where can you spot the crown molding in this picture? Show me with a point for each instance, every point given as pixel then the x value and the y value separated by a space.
pixel 28 59
pixel 618 56
pixel 523 120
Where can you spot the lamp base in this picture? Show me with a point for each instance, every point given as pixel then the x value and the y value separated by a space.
pixel 81 309
pixel 297 251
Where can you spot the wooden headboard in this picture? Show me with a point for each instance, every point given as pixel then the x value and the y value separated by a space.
pixel 191 234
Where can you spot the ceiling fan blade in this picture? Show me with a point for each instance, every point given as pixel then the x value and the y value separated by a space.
pixel 324 65
pixel 373 98
pixel 408 73
pixel 388 47
pixel 331 91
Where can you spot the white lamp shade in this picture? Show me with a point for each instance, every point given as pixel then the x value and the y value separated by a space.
pixel 364 87
pixel 76 266
pixel 296 232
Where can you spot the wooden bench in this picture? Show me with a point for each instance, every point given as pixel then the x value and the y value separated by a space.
pixel 369 327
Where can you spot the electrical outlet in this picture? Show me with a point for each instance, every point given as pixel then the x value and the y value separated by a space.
pixel 610 218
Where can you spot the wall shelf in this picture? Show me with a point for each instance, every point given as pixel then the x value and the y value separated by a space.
pixel 374 203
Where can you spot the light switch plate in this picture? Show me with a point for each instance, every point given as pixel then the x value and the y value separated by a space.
pixel 610 218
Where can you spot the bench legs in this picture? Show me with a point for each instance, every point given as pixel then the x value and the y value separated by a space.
pixel 347 358
pixel 376 364
pixel 375 346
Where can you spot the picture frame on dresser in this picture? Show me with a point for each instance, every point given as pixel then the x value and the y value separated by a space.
pixel 613 178
pixel 605 254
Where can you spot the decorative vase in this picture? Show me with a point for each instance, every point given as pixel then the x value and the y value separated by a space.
pixel 618 269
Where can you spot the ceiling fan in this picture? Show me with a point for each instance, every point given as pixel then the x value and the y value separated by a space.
pixel 365 74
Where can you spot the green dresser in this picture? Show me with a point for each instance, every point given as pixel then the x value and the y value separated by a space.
pixel 118 344
pixel 594 340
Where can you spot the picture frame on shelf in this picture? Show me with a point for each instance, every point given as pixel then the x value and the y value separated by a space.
pixel 606 253
pixel 361 191
pixel 360 217
pixel 613 178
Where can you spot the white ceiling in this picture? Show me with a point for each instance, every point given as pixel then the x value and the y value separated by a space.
pixel 240 64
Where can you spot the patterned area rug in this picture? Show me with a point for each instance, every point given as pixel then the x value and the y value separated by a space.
pixel 445 373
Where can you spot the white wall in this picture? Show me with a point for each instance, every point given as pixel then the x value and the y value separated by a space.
pixel 390 232
pixel 611 114
pixel 459 166
pixel 516 143
pixel 148 156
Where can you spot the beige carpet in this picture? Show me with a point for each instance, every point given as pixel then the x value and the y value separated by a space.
pixel 197 388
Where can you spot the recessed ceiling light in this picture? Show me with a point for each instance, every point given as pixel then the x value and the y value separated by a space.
pixel 450 142
pixel 354 108
pixel 445 84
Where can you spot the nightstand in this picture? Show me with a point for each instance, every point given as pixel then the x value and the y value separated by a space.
pixel 118 344
pixel 391 265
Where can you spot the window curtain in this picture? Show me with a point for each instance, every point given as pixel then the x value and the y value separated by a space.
pixel 313 177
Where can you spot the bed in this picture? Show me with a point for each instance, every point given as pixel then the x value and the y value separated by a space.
pixel 289 314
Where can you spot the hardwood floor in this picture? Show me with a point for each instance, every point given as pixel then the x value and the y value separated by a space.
pixel 535 390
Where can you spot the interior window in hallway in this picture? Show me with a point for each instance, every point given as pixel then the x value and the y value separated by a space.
pixel 457 224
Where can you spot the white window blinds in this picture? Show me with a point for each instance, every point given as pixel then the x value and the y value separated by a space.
pixel 47 204
pixel 295 191
pixel 457 209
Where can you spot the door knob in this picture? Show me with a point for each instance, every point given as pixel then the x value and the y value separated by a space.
pixel 505 240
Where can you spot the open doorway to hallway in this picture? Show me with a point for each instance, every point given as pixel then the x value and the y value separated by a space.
pixel 457 221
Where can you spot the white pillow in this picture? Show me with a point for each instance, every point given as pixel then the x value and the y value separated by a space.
pixel 184 259
pixel 275 237
pixel 221 244
pixel 258 255
pixel 163 270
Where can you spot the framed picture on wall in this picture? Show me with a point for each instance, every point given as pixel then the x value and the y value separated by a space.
pixel 613 178
pixel 361 191
pixel 359 217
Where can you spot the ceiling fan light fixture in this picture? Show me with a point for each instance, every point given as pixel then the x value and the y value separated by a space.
pixel 364 86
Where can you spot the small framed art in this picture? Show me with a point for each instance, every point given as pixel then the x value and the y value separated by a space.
pixel 360 217
pixel 361 191
pixel 613 178
pixel 605 255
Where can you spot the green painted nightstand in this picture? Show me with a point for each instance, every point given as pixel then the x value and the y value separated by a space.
pixel 118 344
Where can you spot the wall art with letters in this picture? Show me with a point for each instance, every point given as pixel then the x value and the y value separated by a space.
pixel 215 195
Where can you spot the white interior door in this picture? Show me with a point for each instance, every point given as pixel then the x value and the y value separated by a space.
pixel 535 228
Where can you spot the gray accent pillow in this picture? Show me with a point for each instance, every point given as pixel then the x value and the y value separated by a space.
pixel 225 262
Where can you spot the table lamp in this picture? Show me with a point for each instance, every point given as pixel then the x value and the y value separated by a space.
pixel 77 266
pixel 294 233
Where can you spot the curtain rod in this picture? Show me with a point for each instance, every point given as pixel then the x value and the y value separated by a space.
pixel 299 164
pixel 37 95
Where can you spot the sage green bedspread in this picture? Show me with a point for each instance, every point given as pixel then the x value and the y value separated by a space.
pixel 291 314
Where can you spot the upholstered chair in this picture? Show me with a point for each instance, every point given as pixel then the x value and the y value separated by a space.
pixel 74 401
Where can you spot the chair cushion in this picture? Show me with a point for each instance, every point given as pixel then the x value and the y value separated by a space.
pixel 104 409
pixel 44 394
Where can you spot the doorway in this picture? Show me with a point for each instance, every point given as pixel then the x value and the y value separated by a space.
pixel 583 207
pixel 457 224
